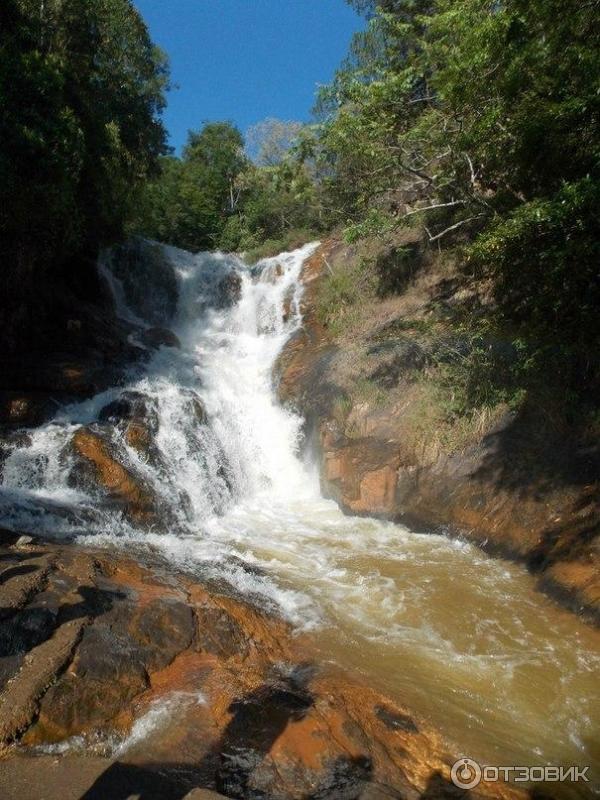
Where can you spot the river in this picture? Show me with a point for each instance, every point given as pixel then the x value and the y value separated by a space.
pixel 461 638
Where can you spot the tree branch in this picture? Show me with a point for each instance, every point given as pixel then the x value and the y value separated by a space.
pixel 436 205
pixel 453 228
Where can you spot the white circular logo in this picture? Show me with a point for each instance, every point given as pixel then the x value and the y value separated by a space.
pixel 465 773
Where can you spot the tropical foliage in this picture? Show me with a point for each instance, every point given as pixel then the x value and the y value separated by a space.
pixel 81 90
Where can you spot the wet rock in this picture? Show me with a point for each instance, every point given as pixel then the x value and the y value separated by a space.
pixel 105 676
pixel 159 337
pixel 137 416
pixel 229 290
pixel 19 702
pixel 238 706
pixel 25 409
pixel 288 304
pixel 258 720
pixel 395 720
pixel 196 409
pixel 218 633
pixel 98 466
pixel 130 406
pixel 163 629
pixel 271 273
pixel 148 278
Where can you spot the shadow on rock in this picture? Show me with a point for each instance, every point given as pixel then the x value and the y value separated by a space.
pixel 12 572
pixel 258 721
pixel 123 781
pixel 526 456
pixel 439 787
pixel 345 779
pixel 28 627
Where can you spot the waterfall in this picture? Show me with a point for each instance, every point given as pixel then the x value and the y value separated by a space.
pixel 460 637
pixel 219 437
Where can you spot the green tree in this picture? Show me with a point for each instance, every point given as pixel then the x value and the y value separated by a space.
pixel 529 121
pixel 189 203
pixel 81 91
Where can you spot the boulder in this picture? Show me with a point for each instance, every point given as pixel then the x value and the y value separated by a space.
pixel 97 466
pixel 135 414
pixel 159 337
pixel 148 278
pixel 229 290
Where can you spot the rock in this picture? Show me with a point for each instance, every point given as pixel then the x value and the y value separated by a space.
pixel 219 634
pixel 288 304
pixel 59 373
pixel 194 407
pixel 361 474
pixel 24 541
pixel 229 290
pixel 106 674
pixel 147 275
pixel 130 406
pixel 396 721
pixel 136 414
pixel 159 337
pixel 163 629
pixel 514 492
pixel 25 409
pixel 231 700
pixel 198 410
pixel 21 582
pixel 271 273
pixel 98 466
pixel 19 702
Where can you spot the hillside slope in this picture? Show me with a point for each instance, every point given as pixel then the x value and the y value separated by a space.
pixel 376 371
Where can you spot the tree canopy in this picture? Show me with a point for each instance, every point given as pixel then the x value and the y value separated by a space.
pixel 477 120
pixel 216 196
pixel 81 92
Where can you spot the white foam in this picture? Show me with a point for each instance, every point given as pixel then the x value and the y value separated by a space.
pixel 246 510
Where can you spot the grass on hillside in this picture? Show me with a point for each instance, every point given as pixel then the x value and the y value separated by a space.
pixel 471 372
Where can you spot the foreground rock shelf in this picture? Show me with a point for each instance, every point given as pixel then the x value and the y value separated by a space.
pixel 118 678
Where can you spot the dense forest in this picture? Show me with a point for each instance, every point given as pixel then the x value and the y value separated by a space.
pixel 474 121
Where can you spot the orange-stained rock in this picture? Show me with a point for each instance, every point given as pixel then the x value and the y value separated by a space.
pixel 377 490
pixel 252 711
pixel 138 436
pixel 136 500
pixel 497 493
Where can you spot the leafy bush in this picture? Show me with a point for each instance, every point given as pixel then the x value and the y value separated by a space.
pixel 544 259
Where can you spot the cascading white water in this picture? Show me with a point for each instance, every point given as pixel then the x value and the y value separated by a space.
pixel 460 637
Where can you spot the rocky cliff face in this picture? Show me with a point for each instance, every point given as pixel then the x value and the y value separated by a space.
pixel 87 346
pixel 517 487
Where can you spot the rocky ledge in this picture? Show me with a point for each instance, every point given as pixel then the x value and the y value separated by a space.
pixel 119 678
pixel 521 491
pixel 85 347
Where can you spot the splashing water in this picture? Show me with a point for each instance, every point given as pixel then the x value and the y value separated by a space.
pixel 461 638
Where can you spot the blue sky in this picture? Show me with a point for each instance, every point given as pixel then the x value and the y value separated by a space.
pixel 244 60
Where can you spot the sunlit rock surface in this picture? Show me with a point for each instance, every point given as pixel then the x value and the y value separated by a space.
pixel 137 679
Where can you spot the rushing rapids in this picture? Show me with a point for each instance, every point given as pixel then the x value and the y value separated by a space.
pixel 462 638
